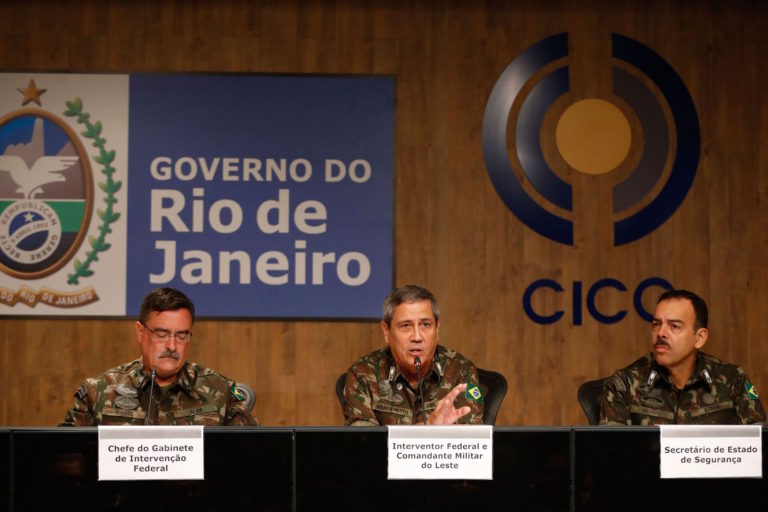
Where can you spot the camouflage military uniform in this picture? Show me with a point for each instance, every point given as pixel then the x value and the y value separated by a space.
pixel 716 393
pixel 120 396
pixel 376 393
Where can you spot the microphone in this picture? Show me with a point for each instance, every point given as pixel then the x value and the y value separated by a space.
pixel 417 364
pixel 151 391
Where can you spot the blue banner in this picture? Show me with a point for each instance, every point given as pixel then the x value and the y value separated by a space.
pixel 262 196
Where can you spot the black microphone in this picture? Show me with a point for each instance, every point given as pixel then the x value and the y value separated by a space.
pixel 417 363
pixel 151 390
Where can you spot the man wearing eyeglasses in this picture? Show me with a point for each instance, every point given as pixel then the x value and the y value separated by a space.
pixel 161 387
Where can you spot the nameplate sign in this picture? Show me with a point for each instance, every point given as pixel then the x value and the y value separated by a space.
pixel 451 452
pixel 711 451
pixel 151 453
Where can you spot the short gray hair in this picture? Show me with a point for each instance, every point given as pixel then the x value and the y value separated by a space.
pixel 407 293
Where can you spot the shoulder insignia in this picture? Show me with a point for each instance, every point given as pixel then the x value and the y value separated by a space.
pixel 81 392
pixel 237 393
pixel 751 391
pixel 618 384
pixel 473 393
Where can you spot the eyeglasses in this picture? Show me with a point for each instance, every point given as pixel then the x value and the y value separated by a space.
pixel 164 335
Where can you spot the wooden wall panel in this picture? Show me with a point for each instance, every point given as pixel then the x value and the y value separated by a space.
pixel 453 233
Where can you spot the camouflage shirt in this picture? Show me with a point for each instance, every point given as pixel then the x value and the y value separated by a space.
pixel 120 396
pixel 716 393
pixel 376 393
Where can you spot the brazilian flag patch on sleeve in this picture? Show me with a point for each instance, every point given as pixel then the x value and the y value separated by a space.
pixel 237 393
pixel 473 393
pixel 751 390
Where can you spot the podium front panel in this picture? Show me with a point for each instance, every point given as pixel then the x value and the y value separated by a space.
pixel 347 470
pixel 618 468
pixel 244 470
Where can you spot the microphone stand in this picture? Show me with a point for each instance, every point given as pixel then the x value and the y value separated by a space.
pixel 151 392
pixel 417 363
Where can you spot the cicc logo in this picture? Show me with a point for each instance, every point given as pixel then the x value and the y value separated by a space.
pixel 47 198
pixel 665 144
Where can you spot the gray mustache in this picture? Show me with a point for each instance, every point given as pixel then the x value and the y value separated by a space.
pixel 168 354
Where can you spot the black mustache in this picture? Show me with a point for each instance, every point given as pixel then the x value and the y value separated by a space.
pixel 662 343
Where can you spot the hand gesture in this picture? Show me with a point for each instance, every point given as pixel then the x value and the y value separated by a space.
pixel 445 413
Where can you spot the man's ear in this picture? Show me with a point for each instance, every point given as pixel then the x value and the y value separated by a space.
pixel 138 328
pixel 701 337
pixel 385 331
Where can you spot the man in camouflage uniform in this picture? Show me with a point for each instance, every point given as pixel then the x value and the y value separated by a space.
pixel 183 393
pixel 382 388
pixel 676 383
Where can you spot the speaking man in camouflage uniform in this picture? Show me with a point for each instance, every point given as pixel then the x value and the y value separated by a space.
pixel 677 383
pixel 182 393
pixel 382 388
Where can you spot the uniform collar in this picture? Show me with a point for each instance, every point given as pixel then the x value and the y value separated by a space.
pixel 185 379
pixel 700 373
pixel 434 372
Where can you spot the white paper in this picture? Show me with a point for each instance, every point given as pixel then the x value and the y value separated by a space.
pixel 711 451
pixel 423 452
pixel 151 453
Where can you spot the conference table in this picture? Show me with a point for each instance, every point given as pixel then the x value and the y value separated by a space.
pixel 345 468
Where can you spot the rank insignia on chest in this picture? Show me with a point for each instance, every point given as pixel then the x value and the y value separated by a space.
pixel 751 391
pixel 126 390
pixel 473 393
pixel 126 402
